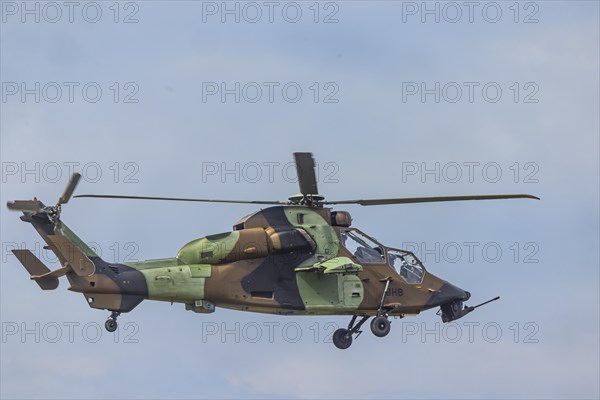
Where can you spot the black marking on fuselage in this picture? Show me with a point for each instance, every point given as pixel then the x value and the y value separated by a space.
pixel 446 294
pixel 131 282
pixel 276 273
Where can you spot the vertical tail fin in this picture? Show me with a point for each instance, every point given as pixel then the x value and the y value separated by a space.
pixel 75 256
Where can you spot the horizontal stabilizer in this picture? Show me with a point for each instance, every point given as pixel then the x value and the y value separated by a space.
pixel 46 279
pixel 53 274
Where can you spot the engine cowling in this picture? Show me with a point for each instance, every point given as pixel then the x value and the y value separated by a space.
pixel 244 244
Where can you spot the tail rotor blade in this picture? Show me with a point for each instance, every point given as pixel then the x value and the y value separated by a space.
pixel 66 196
pixel 305 166
pixel 33 206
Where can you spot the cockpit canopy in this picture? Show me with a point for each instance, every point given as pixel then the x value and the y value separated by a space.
pixel 407 265
pixel 365 249
pixel 368 251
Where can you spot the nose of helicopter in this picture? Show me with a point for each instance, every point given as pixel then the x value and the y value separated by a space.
pixel 447 293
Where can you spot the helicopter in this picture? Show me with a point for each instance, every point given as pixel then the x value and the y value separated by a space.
pixel 294 257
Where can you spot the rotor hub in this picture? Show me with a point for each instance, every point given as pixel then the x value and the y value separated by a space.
pixel 306 200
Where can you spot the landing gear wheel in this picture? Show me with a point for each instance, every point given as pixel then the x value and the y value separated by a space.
pixel 111 322
pixel 342 338
pixel 111 325
pixel 380 326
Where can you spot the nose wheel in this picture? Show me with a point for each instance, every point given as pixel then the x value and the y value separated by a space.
pixel 380 326
pixel 111 323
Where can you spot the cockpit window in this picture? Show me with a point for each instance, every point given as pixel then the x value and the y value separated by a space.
pixel 407 265
pixel 363 248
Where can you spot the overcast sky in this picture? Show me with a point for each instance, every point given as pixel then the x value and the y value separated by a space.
pixel 207 99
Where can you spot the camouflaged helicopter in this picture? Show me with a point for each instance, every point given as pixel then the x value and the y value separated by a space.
pixel 298 257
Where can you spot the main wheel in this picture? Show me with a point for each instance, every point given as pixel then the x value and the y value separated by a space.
pixel 342 338
pixel 111 325
pixel 380 326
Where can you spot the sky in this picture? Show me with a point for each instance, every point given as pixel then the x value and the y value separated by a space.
pixel 394 99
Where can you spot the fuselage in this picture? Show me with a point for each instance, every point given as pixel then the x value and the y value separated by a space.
pixel 293 260
pixel 281 260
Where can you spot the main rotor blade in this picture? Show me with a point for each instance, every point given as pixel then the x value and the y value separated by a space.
pixel 305 166
pixel 25 205
pixel 64 199
pixel 110 196
pixel 408 200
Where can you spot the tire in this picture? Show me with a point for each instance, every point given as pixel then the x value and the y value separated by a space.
pixel 342 339
pixel 380 326
pixel 110 325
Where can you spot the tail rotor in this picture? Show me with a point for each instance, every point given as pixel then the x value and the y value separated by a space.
pixel 37 207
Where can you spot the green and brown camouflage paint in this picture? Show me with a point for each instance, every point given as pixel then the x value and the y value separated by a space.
pixel 281 260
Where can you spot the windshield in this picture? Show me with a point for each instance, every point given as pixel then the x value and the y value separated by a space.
pixel 368 251
pixel 407 265
pixel 363 248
